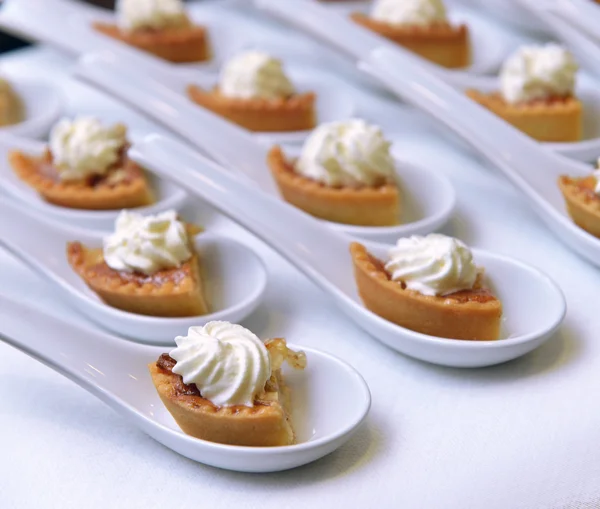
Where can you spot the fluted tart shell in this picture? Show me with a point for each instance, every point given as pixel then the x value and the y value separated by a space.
pixel 267 423
pixel 295 113
pixel 362 206
pixel 441 43
pixel 178 45
pixel 469 314
pixel 124 185
pixel 173 292
pixel 583 205
pixel 555 120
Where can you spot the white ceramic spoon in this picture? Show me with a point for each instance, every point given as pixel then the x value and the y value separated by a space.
pixel 167 195
pixel 329 398
pixel 534 170
pixel 583 13
pixel 344 35
pixel 42 103
pixel 41 244
pixel 587 91
pixel 67 25
pixel 429 197
pixel 323 256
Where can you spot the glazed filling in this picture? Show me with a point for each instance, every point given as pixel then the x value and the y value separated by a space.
pixel 167 363
pixel 546 101
pixel 587 186
pixel 477 294
pixel 175 275
pixel 122 172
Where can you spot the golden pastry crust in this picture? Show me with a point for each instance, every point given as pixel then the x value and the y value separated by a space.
pixel 170 292
pixel 469 314
pixel 296 113
pixel 556 120
pixel 441 43
pixel 266 424
pixel 123 187
pixel 11 107
pixel 583 205
pixel 179 45
pixel 364 206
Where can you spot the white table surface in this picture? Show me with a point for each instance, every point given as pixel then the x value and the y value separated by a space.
pixel 521 435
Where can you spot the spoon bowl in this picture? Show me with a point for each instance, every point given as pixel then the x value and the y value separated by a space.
pixel 329 398
pixel 431 200
pixel 43 249
pixel 43 105
pixel 323 255
pixel 531 168
pixel 167 195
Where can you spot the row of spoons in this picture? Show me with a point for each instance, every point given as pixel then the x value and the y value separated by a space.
pixel 68 26
pixel 318 251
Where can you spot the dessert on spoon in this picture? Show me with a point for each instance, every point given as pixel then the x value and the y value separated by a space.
pixel 345 174
pixel 159 27
pixel 85 166
pixel 330 399
pixel 422 27
pixel 430 285
pixel 254 92
pixel 147 266
pixel 537 94
pixel 123 296
pixel 223 384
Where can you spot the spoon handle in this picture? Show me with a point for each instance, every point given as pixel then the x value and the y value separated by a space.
pixel 30 237
pixel 227 143
pixel 324 24
pixel 98 362
pixel 309 244
pixel 521 159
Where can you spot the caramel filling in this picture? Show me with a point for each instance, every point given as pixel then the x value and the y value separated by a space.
pixel 477 294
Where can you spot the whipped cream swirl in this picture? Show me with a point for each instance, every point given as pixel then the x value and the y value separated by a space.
pixel 432 265
pixel 84 147
pixel 147 244
pixel 151 14
pixel 254 74
pixel 349 153
pixel 229 364
pixel 538 72
pixel 409 12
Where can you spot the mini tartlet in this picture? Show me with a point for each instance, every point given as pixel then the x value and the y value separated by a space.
pixel 537 94
pixel 11 105
pixel 582 198
pixel 258 414
pixel 163 29
pixel 157 288
pixel 420 26
pixel 461 308
pixel 254 92
pixel 85 167
pixel 358 190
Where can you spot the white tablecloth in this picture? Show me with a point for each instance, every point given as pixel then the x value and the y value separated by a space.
pixel 521 435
